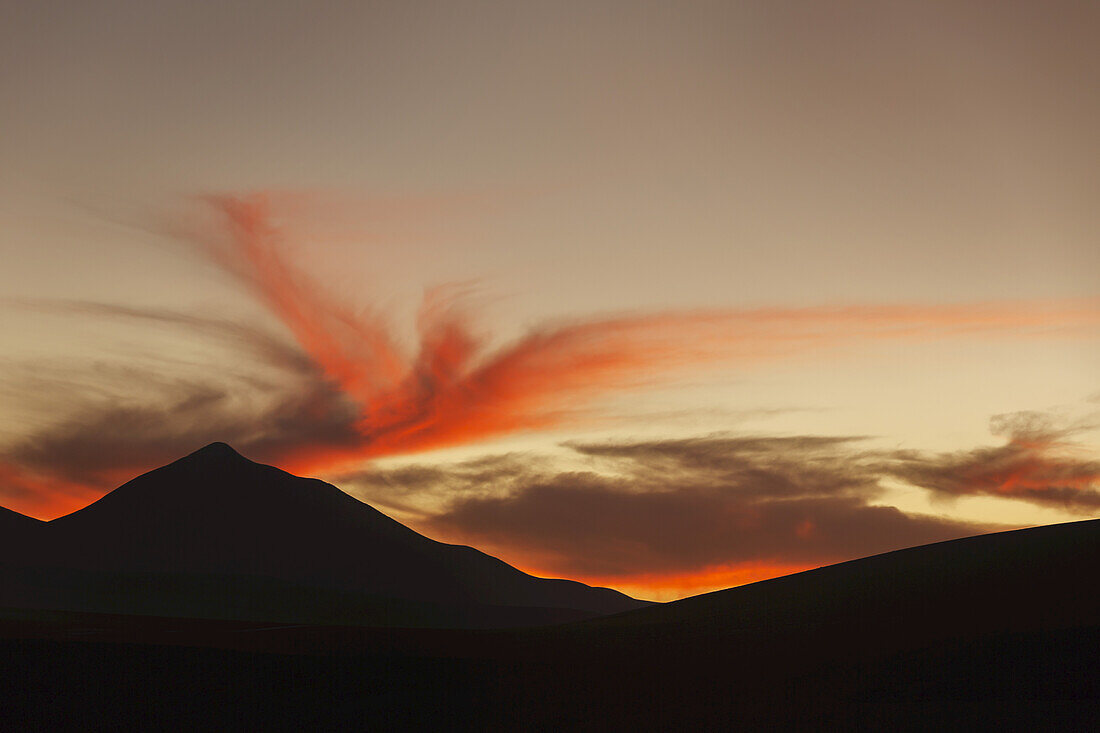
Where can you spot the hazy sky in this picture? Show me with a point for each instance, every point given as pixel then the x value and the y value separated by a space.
pixel 661 296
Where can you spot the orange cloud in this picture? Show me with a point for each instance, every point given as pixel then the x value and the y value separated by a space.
pixel 454 389
pixel 354 390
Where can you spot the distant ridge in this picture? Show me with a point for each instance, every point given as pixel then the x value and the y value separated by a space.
pixel 214 534
pixel 1037 578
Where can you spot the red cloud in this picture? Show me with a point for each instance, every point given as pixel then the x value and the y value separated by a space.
pixel 1039 463
pixel 455 390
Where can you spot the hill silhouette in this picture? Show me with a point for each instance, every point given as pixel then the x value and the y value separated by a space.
pixel 217 535
pixel 1040 577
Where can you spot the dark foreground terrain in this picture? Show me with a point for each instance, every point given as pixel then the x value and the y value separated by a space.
pixel 998 631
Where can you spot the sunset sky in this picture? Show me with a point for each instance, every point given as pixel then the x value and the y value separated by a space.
pixel 661 296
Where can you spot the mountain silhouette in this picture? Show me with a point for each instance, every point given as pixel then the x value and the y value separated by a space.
pixel 994 631
pixel 214 534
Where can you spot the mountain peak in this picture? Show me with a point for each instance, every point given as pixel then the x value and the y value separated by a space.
pixel 216 514
pixel 217 457
pixel 216 451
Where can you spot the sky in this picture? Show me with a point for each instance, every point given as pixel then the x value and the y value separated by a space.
pixel 661 296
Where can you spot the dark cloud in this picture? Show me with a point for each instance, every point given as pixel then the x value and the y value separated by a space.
pixel 681 506
pixel 1040 463
pixel 266 345
pixel 673 507
pixel 113 419
pixel 685 505
pixel 773 466
pixel 103 437
pixel 595 528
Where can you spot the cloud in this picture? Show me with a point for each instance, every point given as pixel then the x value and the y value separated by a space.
pixel 691 513
pixel 108 436
pixel 458 387
pixel 29 492
pixel 110 420
pixel 1039 463
pixel 672 517
pixel 271 348
pixel 341 387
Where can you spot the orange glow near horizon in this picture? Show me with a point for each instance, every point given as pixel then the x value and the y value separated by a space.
pixel 43 497
pixel 672 586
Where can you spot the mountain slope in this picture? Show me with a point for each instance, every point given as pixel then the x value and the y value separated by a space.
pixel 214 517
pixel 15 522
pixel 16 532
pixel 922 637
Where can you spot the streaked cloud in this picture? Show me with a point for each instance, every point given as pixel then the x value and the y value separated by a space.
pixel 686 514
pixel 342 386
pixel 674 517
pixel 459 386
pixel 1039 463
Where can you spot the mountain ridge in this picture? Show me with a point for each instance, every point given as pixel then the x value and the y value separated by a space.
pixel 216 513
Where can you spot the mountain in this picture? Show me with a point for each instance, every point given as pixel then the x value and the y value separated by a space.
pixel 217 535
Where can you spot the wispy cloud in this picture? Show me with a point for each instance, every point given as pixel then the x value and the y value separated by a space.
pixel 347 388
pixel 1039 463
pixel 106 421
pixel 457 387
